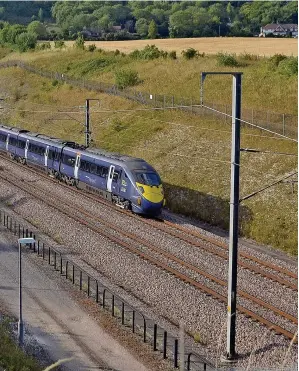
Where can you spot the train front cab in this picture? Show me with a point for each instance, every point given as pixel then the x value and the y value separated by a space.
pixel 151 195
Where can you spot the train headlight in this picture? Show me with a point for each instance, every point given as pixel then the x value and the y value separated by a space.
pixel 141 189
pixel 139 200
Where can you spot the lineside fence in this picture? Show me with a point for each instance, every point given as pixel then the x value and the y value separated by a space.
pixel 281 123
pixel 159 339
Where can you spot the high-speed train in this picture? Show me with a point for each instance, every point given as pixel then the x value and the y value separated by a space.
pixel 129 182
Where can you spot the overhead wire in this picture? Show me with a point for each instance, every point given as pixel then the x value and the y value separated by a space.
pixel 266 187
pixel 247 122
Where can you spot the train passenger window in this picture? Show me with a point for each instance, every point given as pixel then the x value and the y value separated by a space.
pixel 115 176
pixel 12 141
pixel 3 137
pixel 21 144
pixel 93 168
pixel 105 172
pixel 68 160
pixel 41 151
pixel 50 154
pixel 57 156
pixel 99 170
pixel 83 165
pixel 87 166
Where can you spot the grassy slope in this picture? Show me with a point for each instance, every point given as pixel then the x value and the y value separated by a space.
pixel 202 190
pixel 11 356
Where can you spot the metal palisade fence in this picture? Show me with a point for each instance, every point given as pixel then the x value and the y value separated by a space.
pixel 281 123
pixel 159 339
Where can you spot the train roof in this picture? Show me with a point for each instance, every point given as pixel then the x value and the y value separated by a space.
pixel 132 163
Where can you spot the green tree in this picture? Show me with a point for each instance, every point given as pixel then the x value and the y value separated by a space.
pixel 152 30
pixel 79 42
pixel 142 27
pixel 38 28
pixel 26 41
pixel 181 24
pixel 40 14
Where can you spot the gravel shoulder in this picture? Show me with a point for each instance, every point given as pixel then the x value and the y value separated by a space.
pixel 156 293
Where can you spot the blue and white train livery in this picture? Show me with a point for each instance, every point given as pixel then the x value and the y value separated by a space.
pixel 129 182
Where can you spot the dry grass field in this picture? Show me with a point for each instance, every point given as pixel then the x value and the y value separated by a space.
pixel 209 45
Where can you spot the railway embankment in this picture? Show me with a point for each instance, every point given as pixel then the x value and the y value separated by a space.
pixel 192 153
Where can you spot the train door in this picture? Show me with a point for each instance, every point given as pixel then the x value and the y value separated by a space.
pixel 110 177
pixel 46 156
pixel 26 148
pixel 77 164
pixel 7 141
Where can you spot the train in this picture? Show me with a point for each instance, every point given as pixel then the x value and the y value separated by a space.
pixel 128 182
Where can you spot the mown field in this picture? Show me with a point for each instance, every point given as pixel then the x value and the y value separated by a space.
pixel 192 153
pixel 209 45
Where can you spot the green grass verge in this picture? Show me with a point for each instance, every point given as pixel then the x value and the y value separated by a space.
pixel 12 358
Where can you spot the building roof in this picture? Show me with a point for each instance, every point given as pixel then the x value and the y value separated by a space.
pixel 286 26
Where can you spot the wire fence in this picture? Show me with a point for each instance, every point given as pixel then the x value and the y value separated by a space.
pixel 281 123
pixel 159 339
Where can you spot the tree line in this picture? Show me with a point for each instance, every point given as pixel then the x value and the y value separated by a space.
pixel 152 19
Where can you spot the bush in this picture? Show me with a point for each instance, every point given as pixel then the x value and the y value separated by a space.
pixel 289 66
pixel 124 78
pixel 59 44
pixel 172 54
pixel 26 41
pixel 276 59
pixel 79 42
pixel 91 48
pixel 227 60
pixel 249 57
pixel 117 52
pixel 43 46
pixel 55 82
pixel 190 53
pixel 148 53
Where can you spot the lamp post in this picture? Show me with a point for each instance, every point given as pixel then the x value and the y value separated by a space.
pixel 21 241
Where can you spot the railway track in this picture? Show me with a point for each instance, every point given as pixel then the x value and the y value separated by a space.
pixel 68 210
pixel 216 247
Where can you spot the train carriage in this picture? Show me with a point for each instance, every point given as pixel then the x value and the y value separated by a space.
pixel 129 182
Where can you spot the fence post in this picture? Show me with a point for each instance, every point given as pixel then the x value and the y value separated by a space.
pixel 175 355
pixel 112 306
pixel 97 292
pixel 66 268
pixel 61 265
pixel 155 337
pixel 88 286
pixel 73 275
pixel 122 313
pixel 133 321
pixel 43 251
pixel 165 345
pixel 49 256
pixel 80 283
pixel 283 124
